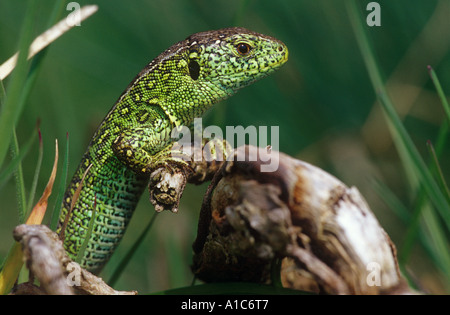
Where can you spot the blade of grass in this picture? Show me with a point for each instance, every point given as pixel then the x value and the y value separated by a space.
pixel 36 174
pixel 437 253
pixel 13 263
pixel 50 35
pixel 420 168
pixel 20 185
pixel 13 106
pixel 11 269
pixel 61 188
pixel 437 240
pixel 38 212
pixel 440 175
pixel 2 94
pixel 126 259
pixel 402 140
pixel 275 273
pixel 442 138
pixel 11 111
pixel 411 158
pixel 31 78
pixel 413 230
pixel 176 263
pixel 409 219
pixel 439 90
pixel 391 200
pixel 57 12
pixel 9 169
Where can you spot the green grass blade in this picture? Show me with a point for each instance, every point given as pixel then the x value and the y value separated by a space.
pixel 439 90
pixel 410 155
pixel 61 188
pixel 442 138
pixel 439 175
pixel 11 268
pixel 126 259
pixel 57 13
pixel 176 263
pixel 437 241
pixel 20 185
pixel 413 163
pixel 414 230
pixel 2 94
pixel 21 81
pixel 36 175
pixel 421 203
pixel 420 168
pixel 11 110
pixel 13 164
pixel 391 200
pixel 275 273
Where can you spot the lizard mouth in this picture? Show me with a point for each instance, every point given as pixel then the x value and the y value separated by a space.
pixel 254 70
pixel 266 67
pixel 270 62
pixel 278 63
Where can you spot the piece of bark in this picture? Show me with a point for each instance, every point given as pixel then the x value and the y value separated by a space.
pixel 297 213
pixel 46 259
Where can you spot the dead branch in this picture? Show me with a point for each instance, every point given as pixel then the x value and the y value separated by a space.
pixel 46 259
pixel 326 234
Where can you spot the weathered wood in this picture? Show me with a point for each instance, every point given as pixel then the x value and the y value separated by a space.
pixel 45 257
pixel 327 236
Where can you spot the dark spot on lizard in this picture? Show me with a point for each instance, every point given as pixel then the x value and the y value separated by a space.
pixel 194 69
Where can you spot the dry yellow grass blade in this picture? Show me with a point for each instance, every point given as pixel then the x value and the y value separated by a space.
pixel 49 36
pixel 39 209
pixel 14 262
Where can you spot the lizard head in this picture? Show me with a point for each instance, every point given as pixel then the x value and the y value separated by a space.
pixel 232 58
pixel 193 74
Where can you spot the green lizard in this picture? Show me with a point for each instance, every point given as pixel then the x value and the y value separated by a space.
pixel 134 138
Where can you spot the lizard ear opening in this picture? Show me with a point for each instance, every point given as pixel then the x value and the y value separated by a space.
pixel 194 69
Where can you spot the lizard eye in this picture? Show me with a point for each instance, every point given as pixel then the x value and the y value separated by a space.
pixel 243 49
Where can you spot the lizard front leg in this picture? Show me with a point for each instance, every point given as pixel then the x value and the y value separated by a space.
pixel 147 147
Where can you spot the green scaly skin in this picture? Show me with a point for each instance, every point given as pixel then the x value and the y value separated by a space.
pixel 134 138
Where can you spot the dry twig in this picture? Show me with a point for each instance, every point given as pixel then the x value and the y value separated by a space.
pixel 45 257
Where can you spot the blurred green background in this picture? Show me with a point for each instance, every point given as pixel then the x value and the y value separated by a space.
pixel 322 100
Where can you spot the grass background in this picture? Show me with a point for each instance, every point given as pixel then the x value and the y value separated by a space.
pixel 322 99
